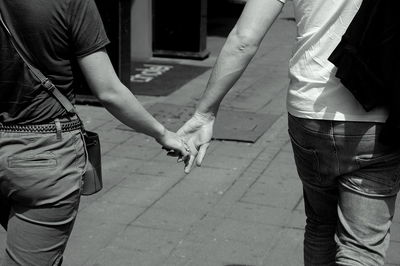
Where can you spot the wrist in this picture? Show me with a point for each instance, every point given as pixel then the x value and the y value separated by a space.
pixel 160 134
pixel 206 110
pixel 205 116
pixel 206 113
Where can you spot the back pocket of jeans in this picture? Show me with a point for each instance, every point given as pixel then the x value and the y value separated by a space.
pixel 45 160
pixel 307 162
pixel 384 169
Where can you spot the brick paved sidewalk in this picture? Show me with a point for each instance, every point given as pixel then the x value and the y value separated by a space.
pixel 242 207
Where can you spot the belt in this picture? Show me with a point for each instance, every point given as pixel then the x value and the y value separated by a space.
pixel 43 128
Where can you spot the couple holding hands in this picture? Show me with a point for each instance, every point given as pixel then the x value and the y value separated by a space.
pixel 350 180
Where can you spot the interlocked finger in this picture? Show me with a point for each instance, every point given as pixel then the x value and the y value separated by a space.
pixel 202 152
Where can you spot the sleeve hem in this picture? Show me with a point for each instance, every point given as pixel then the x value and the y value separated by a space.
pixel 92 49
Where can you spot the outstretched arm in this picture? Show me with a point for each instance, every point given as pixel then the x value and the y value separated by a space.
pixel 239 48
pixel 119 101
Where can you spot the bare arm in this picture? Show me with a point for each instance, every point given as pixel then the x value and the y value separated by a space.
pixel 119 101
pixel 240 47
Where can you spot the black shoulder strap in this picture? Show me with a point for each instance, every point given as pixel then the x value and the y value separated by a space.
pixel 46 83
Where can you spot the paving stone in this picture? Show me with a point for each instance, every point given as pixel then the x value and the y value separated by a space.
pixel 253 213
pixel 245 231
pixel 297 220
pixel 277 106
pixel 116 256
pixel 393 255
pixel 282 168
pixel 288 147
pixel 113 135
pixel 122 165
pixel 190 91
pixel 134 152
pixel 300 206
pixel 177 261
pixel 188 251
pixel 203 229
pixel 226 162
pixel 287 251
pixel 94 113
pixel 276 133
pixel 91 123
pixel 87 240
pixel 245 181
pixel 266 156
pixel 278 186
pixel 108 212
pixel 281 195
pixel 142 239
pixel 105 147
pixel 207 182
pixel 261 92
pixel 237 150
pixel 258 165
pixel 395 231
pixel 149 182
pixel 213 175
pixel 138 139
pixel 210 186
pixel 197 203
pixel 139 197
pixel 167 219
pixel 110 180
pixel 138 246
pixel 226 251
pixel 161 169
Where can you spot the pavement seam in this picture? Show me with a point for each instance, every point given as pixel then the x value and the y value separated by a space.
pixel 154 202
pixel 297 204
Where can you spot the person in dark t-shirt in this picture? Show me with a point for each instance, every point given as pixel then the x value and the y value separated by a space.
pixel 54 34
pixel 41 172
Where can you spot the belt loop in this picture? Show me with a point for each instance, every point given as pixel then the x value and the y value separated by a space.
pixel 58 129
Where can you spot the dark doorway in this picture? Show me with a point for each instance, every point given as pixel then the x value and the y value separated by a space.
pixel 222 16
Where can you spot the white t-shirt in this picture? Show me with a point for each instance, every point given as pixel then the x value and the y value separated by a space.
pixel 314 91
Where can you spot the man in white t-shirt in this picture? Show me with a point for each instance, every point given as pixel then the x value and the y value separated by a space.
pixel 350 179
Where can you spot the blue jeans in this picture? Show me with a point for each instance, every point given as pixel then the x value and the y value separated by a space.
pixel 40 183
pixel 350 182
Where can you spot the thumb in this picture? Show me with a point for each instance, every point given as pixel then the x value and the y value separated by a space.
pixel 202 153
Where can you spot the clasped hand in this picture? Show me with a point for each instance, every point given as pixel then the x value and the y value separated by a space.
pixel 194 139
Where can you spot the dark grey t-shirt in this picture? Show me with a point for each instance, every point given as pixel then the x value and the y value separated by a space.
pixel 54 33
